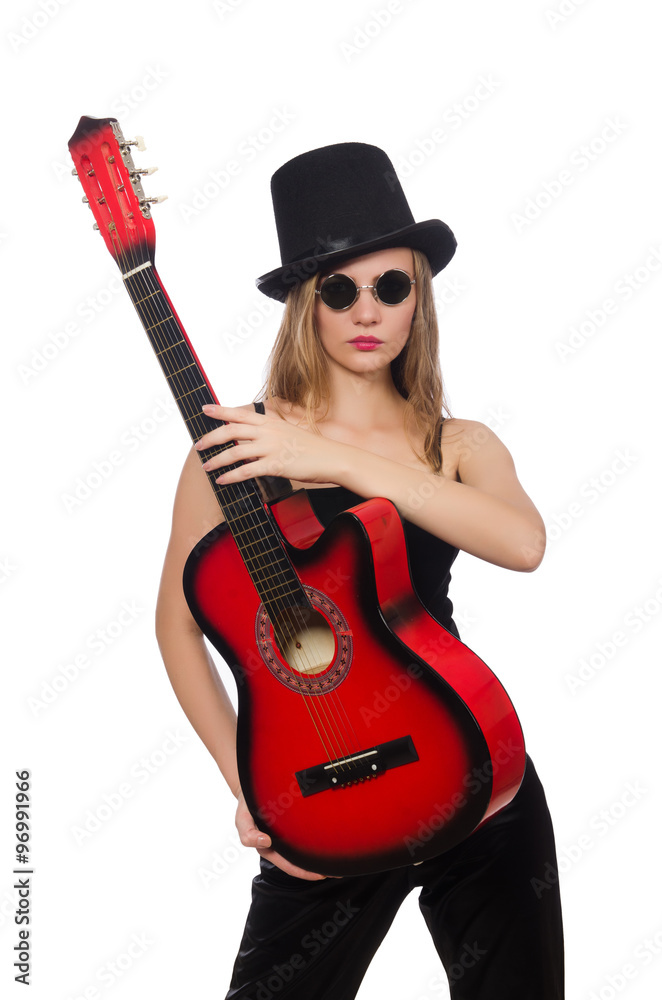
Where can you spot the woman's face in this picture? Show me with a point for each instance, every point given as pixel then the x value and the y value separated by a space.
pixel 368 335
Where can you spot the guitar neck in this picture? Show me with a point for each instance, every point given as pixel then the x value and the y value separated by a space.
pixel 250 522
pixel 113 190
pixel 179 363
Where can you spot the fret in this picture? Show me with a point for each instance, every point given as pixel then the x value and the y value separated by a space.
pixel 257 563
pixel 261 554
pixel 264 551
pixel 172 354
pixel 181 384
pixel 137 302
pixel 243 500
pixel 184 394
pixel 169 347
pixel 273 585
pixel 195 416
pixel 201 426
pixel 245 525
pixel 272 582
pixel 257 535
pixel 286 585
pixel 154 325
pixel 276 605
pixel 267 590
pixel 254 515
pixel 185 368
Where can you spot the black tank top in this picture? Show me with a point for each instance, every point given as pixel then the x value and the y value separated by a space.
pixel 430 558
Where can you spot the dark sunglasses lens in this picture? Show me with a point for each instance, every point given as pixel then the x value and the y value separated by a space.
pixel 338 291
pixel 393 287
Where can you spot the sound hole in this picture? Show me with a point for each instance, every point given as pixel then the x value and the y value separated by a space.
pixel 309 650
pixel 305 640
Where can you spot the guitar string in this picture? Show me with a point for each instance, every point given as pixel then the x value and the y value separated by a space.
pixel 194 419
pixel 156 317
pixel 290 631
pixel 306 683
pixel 135 261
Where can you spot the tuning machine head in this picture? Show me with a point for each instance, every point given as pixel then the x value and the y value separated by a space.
pixel 138 142
pixel 143 171
pixel 154 201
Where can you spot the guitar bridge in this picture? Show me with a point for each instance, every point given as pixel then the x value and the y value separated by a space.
pixel 356 767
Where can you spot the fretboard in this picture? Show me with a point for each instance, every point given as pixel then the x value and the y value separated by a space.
pixel 251 524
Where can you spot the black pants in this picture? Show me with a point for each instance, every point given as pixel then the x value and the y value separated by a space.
pixel 491 905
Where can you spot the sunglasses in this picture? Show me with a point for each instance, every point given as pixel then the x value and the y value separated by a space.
pixel 338 291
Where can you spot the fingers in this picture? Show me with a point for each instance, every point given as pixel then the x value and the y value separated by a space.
pixel 232 414
pixel 255 838
pixel 237 425
pixel 290 869
pixel 236 421
pixel 235 453
pixel 252 468
pixel 250 444
pixel 249 834
pixel 259 445
pixel 218 412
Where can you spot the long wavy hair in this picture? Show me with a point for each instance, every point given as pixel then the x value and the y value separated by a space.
pixel 297 369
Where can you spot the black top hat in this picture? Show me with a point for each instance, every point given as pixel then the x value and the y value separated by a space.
pixel 342 201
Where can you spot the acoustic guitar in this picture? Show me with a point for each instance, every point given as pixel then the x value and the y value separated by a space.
pixel 369 737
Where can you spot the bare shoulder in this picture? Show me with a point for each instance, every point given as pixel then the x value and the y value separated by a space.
pixel 465 439
pixel 482 460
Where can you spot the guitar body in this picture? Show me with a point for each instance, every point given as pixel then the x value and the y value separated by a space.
pixel 395 679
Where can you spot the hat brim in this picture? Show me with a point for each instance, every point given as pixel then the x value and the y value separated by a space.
pixel 433 238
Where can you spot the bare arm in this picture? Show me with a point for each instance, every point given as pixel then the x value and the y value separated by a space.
pixel 197 685
pixel 485 511
pixel 192 673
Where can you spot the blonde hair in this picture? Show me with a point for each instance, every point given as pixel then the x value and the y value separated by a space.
pixel 297 368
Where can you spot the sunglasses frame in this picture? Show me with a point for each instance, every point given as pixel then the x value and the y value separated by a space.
pixel 339 274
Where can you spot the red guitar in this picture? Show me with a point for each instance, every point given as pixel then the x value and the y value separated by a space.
pixel 315 624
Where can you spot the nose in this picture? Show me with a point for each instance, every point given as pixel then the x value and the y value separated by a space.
pixel 366 307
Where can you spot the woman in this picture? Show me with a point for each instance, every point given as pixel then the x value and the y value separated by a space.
pixel 353 409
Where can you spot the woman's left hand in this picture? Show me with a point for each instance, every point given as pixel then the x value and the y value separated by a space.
pixel 269 446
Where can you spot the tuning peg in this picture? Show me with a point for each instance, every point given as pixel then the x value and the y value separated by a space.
pixel 154 201
pixel 85 200
pixel 138 142
pixel 143 170
pixel 95 226
pixel 74 172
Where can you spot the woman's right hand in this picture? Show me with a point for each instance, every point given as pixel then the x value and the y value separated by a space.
pixel 250 836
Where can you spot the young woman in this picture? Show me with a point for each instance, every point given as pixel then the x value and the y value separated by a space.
pixel 354 409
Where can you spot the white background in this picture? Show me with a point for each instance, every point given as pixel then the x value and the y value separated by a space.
pixel 480 105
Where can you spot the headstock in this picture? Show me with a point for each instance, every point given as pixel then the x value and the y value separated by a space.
pixel 113 189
